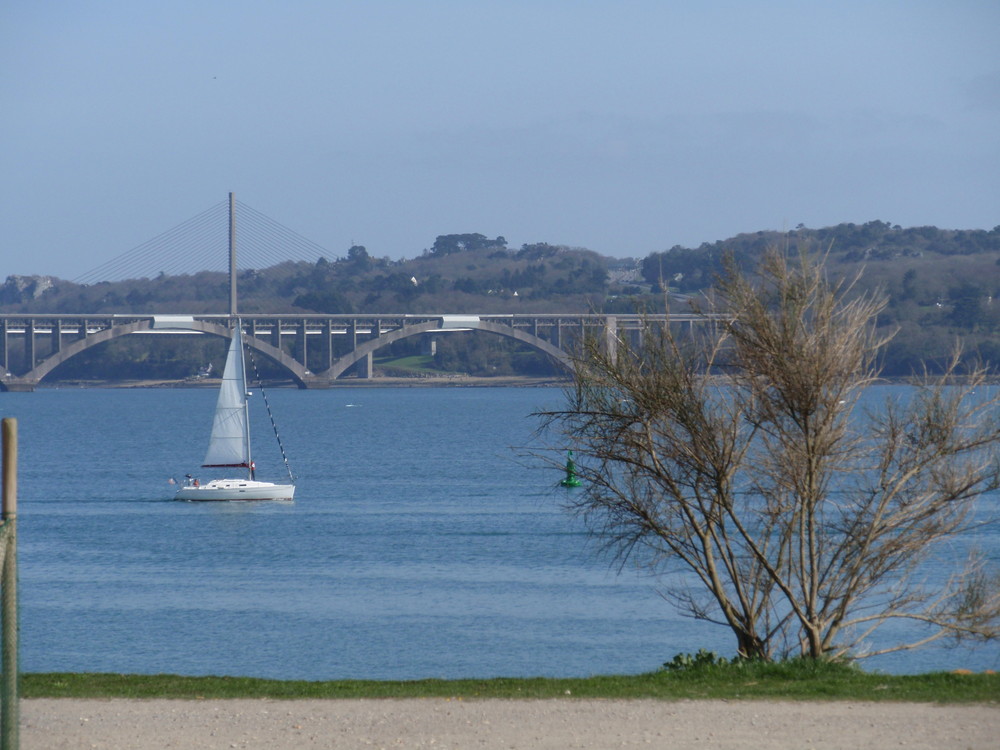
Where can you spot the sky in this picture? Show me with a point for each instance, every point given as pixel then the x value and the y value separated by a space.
pixel 622 126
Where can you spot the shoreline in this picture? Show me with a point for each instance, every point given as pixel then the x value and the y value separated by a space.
pixel 449 381
pixel 416 381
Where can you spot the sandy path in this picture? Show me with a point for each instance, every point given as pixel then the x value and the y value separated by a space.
pixel 48 724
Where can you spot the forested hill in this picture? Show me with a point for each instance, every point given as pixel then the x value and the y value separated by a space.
pixel 940 283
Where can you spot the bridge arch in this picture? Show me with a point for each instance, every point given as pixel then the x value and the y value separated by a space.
pixel 518 334
pixel 427 327
pixel 48 364
pixel 31 378
pixel 297 370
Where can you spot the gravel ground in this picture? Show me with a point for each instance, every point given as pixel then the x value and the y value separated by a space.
pixel 48 724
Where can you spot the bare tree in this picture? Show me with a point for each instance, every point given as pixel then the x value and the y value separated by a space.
pixel 738 463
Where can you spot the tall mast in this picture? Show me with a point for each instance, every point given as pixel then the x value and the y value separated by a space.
pixel 238 333
pixel 232 255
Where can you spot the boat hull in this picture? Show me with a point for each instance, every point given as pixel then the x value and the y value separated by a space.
pixel 236 489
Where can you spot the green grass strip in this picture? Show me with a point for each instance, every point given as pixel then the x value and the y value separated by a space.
pixel 420 364
pixel 732 682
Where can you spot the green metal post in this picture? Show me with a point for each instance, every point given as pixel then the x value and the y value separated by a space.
pixel 9 719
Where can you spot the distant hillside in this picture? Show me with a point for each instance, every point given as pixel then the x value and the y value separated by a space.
pixel 941 284
pixel 461 273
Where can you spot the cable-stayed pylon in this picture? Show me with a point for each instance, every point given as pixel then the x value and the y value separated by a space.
pixel 202 244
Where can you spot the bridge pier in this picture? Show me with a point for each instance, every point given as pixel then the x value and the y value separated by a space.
pixel 29 344
pixel 326 345
pixel 365 367
pixel 315 383
pixel 17 385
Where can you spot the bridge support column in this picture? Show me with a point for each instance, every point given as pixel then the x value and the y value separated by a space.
pixel 326 346
pixel 29 343
pixel 301 347
pixel 276 334
pixel 365 367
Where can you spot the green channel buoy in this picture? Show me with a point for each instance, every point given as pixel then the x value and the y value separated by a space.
pixel 570 480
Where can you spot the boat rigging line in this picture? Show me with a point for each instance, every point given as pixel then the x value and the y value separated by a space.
pixel 267 405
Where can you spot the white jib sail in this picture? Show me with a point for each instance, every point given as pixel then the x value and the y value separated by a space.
pixel 229 444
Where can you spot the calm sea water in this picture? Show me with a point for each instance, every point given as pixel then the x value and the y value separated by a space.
pixel 422 543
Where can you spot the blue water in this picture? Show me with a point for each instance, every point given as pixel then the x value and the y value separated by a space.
pixel 424 541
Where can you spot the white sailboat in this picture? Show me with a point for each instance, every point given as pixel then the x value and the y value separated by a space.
pixel 229 445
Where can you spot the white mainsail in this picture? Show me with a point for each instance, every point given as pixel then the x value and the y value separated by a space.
pixel 229 444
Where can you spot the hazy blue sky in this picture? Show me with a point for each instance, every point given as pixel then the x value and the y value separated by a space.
pixel 624 126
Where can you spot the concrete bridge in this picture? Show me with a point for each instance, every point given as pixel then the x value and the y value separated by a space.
pixel 316 350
